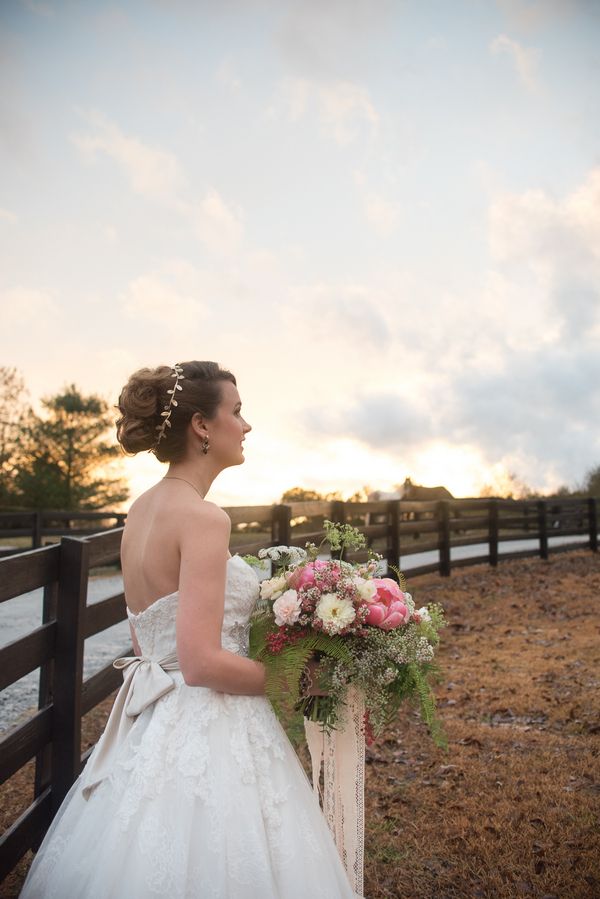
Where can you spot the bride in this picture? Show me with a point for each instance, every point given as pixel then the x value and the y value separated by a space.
pixel 193 789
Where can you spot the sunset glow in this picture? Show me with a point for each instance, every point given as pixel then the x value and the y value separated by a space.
pixel 383 218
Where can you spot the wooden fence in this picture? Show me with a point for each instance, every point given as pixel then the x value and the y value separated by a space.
pixel 52 735
pixel 38 524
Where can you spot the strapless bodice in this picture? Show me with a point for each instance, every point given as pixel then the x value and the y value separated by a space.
pixel 155 627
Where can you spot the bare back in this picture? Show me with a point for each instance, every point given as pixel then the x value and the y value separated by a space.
pixel 150 549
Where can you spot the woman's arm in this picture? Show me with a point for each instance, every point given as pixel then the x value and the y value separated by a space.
pixel 204 541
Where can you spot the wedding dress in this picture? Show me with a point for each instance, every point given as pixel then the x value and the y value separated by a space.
pixel 201 795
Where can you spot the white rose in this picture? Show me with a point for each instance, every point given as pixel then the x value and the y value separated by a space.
pixel 272 587
pixel 365 588
pixel 423 614
pixel 335 613
pixel 287 608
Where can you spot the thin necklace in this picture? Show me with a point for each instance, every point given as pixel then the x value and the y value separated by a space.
pixel 173 477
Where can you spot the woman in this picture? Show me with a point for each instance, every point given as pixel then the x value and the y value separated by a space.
pixel 193 789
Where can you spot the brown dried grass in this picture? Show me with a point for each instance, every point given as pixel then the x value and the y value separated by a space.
pixel 512 809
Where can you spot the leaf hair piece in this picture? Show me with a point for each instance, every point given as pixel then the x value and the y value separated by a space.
pixel 177 373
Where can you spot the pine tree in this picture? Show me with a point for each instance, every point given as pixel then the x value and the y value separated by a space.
pixel 65 458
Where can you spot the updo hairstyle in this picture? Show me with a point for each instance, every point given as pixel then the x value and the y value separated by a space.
pixel 145 396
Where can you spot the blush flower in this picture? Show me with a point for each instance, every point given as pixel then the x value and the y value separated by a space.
pixel 365 588
pixel 287 608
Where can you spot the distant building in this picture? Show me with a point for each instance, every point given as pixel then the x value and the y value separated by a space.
pixel 411 491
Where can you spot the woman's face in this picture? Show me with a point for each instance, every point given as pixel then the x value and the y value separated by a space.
pixel 228 428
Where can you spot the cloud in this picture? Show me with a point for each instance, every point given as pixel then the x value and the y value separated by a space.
pixel 557 243
pixel 7 216
pixel 17 139
pixel 157 174
pixel 531 14
pixel 526 60
pixel 152 299
pixel 540 409
pixel 512 367
pixel 344 109
pixel 218 225
pixel 27 306
pixel 227 76
pixel 347 316
pixel 382 420
pixel 382 214
pixel 150 171
pixel 38 8
pixel 335 39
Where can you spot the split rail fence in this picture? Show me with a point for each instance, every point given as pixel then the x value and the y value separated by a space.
pixel 396 529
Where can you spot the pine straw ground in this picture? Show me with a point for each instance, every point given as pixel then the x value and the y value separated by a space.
pixel 512 809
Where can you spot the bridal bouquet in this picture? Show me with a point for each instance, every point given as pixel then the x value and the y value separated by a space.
pixel 350 625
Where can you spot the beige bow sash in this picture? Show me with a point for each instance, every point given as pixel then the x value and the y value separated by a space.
pixel 144 682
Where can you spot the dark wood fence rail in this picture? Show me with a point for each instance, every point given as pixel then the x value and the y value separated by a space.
pixel 395 528
pixel 38 524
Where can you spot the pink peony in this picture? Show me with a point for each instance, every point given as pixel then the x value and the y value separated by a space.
pixel 304 575
pixel 388 610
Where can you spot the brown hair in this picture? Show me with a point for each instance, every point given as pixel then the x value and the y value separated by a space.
pixel 145 396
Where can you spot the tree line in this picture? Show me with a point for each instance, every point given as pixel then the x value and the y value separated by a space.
pixel 66 457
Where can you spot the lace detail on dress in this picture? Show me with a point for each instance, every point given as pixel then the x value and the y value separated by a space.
pixel 204 797
pixel 155 627
pixel 237 638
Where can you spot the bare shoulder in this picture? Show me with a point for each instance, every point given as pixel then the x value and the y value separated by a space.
pixel 210 513
pixel 207 518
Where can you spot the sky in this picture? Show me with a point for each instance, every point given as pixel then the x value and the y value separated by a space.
pixel 383 217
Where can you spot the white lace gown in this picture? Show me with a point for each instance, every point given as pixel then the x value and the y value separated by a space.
pixel 205 796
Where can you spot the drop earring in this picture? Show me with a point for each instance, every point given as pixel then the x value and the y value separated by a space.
pixel 205 445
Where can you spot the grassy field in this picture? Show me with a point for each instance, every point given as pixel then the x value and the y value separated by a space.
pixel 512 809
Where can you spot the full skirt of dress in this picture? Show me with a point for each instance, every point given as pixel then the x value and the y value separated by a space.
pixel 206 800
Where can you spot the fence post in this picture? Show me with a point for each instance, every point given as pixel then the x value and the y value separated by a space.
pixel 68 666
pixel 444 536
pixel 281 528
pixel 493 531
pixel 393 546
pixel 543 528
pixel 593 524
pixel 338 511
pixel 36 535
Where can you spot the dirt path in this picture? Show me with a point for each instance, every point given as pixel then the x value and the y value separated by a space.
pixel 513 808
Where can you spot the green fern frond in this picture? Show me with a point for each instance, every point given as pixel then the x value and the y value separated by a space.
pixel 400 576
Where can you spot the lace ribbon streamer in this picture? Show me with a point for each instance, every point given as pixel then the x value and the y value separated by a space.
pixel 343 754
pixel 144 681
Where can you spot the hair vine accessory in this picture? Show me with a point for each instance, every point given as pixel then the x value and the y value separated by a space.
pixel 177 373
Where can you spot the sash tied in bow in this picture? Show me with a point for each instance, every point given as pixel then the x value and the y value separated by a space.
pixel 144 682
